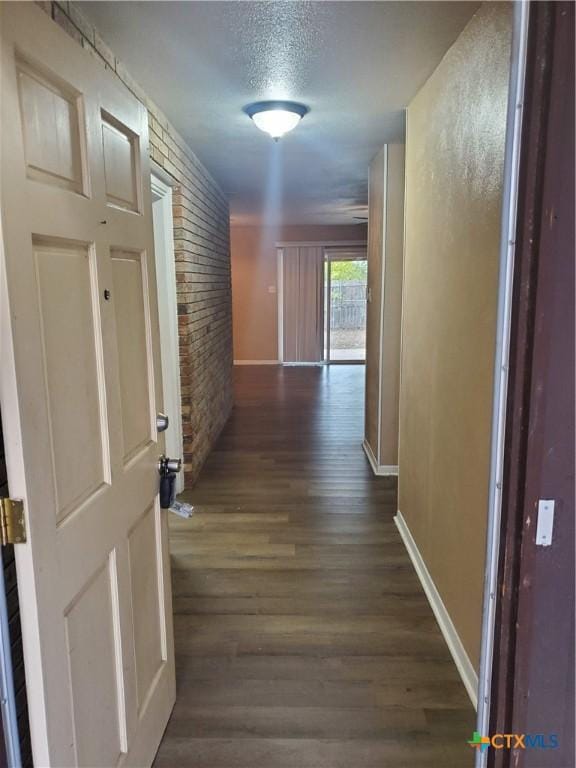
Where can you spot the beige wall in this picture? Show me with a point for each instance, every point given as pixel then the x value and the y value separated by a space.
pixel 454 166
pixel 254 271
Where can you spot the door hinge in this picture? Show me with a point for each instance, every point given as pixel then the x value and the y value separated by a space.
pixel 12 522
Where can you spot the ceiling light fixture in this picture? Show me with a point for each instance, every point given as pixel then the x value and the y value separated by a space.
pixel 276 117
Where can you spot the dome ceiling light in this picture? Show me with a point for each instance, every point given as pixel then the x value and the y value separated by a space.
pixel 276 117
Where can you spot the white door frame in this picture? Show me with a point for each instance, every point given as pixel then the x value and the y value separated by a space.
pixel 168 314
pixel 8 712
pixel 280 298
pixel 501 362
pixel 343 252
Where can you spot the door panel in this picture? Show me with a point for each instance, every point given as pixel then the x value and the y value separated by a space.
pixel 51 129
pixel 95 675
pixel 132 320
pixel 121 165
pixel 146 591
pixel 65 289
pixel 80 378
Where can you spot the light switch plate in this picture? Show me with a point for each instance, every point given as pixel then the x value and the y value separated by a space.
pixel 545 522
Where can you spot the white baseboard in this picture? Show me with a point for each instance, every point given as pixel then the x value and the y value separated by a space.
pixel 461 659
pixel 256 362
pixel 382 470
pixel 292 364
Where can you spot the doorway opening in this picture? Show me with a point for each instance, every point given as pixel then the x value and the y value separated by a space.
pixel 345 289
pixel 163 227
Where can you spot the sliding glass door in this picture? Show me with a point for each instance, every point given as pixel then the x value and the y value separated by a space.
pixel 345 279
pixel 302 303
pixel 322 304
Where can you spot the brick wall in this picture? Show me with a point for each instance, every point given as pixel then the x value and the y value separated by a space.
pixel 202 252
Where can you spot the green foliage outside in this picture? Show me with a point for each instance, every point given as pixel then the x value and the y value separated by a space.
pixel 344 271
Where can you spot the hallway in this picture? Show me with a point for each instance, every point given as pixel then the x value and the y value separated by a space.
pixel 303 638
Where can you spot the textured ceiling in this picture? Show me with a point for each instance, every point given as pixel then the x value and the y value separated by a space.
pixel 355 64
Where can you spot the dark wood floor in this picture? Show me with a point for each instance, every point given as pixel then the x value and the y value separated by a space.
pixel 303 637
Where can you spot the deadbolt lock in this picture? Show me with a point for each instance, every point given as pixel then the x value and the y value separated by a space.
pixel 162 422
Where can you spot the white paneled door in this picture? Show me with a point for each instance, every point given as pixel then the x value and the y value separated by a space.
pixel 80 387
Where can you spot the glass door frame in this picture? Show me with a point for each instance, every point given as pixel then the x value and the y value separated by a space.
pixel 331 254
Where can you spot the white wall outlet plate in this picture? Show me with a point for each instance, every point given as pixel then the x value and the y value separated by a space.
pixel 545 522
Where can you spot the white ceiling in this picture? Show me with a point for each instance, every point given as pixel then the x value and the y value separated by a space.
pixel 355 64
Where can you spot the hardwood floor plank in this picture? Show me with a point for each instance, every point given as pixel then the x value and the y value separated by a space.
pixel 390 605
pixel 303 636
pixel 370 669
pixel 300 722
pixel 337 583
pixel 354 694
pixel 409 751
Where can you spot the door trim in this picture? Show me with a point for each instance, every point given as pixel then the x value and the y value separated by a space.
pixel 501 362
pixel 280 300
pixel 321 244
pixel 382 296
pixel 8 713
pixel 525 571
pixel 168 312
pixel 331 254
